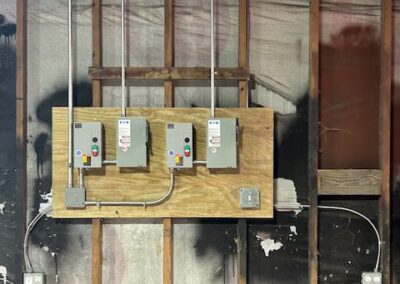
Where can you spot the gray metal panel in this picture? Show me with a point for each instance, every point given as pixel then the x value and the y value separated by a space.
pixel 132 151
pixel 249 198
pixel 75 198
pixel 179 136
pixel 222 143
pixel 86 136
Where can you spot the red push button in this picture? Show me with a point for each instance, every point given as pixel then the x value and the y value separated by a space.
pixel 95 150
pixel 187 151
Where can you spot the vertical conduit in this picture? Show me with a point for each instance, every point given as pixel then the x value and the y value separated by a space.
pixel 70 96
pixel 212 62
pixel 123 107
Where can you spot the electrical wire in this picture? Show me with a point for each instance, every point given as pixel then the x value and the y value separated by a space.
pixel 360 215
pixel 28 264
pixel 139 203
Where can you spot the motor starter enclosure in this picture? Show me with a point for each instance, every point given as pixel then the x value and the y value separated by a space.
pixel 131 144
pixel 249 198
pixel 88 145
pixel 75 198
pixel 222 143
pixel 179 145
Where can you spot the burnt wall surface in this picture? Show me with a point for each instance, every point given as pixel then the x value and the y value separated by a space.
pixel 204 250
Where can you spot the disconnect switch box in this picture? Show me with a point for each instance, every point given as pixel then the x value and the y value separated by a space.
pixel 222 143
pixel 132 138
pixel 179 145
pixel 88 145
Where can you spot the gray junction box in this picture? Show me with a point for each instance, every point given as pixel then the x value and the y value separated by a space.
pixel 179 145
pixel 88 145
pixel 131 142
pixel 221 143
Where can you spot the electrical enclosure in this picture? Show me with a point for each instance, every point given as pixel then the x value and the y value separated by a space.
pixel 131 142
pixel 75 198
pixel 179 145
pixel 222 143
pixel 88 145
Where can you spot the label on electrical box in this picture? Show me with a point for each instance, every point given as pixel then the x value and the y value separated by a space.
pixel 214 133
pixel 124 133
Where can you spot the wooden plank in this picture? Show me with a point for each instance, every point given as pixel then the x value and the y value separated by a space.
pixel 385 135
pixel 21 125
pixel 168 102
pixel 167 251
pixel 313 142
pixel 97 251
pixel 97 260
pixel 198 191
pixel 173 73
pixel 242 251
pixel 97 49
pixel 243 85
pixel 243 50
pixel 168 50
pixel 349 182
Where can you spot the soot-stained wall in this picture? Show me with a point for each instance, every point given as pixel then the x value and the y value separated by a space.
pixel 204 250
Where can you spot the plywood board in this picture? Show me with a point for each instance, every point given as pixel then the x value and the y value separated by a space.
pixel 198 192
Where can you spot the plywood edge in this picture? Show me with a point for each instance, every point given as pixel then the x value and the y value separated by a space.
pixel 365 182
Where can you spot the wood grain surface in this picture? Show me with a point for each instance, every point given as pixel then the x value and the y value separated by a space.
pixel 198 192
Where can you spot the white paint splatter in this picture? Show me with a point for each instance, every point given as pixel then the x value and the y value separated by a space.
pixel 293 230
pixel 3 273
pixel 286 196
pixel 268 244
pixel 2 206
pixel 48 198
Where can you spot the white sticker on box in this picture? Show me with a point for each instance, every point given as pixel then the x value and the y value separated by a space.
pixel 214 133
pixel 124 133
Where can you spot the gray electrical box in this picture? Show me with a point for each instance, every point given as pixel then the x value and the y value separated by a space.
pixel 131 144
pixel 249 198
pixel 179 145
pixel 75 198
pixel 221 143
pixel 88 145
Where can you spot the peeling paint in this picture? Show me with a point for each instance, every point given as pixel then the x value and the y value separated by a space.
pixel 268 244
pixel 286 196
pixel 3 273
pixel 293 231
pixel 2 206
pixel 48 198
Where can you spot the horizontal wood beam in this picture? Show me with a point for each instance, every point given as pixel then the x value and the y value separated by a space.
pixel 349 182
pixel 164 73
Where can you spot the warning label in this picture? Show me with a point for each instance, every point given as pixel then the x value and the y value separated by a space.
pixel 124 133
pixel 214 133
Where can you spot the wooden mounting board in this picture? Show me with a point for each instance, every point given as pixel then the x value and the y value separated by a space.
pixel 198 192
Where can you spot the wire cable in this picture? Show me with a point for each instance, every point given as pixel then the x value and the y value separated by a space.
pixel 360 215
pixel 28 264
pixel 139 203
